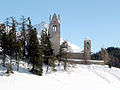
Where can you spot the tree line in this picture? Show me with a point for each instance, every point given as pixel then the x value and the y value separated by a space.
pixel 111 53
pixel 19 41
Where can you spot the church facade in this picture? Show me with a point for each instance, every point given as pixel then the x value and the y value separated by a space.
pixel 54 31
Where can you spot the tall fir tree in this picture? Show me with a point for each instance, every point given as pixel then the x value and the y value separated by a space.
pixel 4 41
pixel 24 36
pixel 63 54
pixel 47 51
pixel 34 53
pixel 11 43
pixel 18 51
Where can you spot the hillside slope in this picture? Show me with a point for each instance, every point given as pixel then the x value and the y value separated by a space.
pixel 80 77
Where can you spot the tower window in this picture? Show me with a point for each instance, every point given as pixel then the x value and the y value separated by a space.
pixel 88 45
pixel 54 28
pixel 87 48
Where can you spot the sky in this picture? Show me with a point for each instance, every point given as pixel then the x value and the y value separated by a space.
pixel 97 19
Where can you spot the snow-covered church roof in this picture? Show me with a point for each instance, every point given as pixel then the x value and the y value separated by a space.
pixel 72 48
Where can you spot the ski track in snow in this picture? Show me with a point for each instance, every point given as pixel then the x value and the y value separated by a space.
pixel 103 72
pixel 110 73
pixel 97 73
pixel 100 75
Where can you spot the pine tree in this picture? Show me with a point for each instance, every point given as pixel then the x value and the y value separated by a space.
pixel 18 50
pixel 46 46
pixel 7 25
pixel 63 54
pixel 34 53
pixel 29 24
pixel 3 41
pixel 11 43
pixel 28 35
pixel 24 36
pixel 47 51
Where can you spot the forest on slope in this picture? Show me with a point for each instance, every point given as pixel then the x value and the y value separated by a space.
pixel 114 55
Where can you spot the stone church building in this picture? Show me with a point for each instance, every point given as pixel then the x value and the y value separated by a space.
pixel 54 31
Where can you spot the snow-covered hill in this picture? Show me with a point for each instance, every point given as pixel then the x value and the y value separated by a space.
pixel 80 77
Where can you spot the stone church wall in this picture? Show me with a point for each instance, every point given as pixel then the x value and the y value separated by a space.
pixel 75 55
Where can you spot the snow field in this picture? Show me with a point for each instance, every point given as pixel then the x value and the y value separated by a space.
pixel 80 77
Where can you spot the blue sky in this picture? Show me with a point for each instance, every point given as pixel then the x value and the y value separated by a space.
pixel 97 19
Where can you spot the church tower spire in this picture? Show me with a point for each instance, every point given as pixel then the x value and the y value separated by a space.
pixel 54 32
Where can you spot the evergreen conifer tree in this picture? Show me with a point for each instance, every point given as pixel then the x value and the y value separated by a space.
pixel 47 51
pixel 63 54
pixel 3 41
pixel 24 36
pixel 34 53
pixel 11 43
pixel 18 50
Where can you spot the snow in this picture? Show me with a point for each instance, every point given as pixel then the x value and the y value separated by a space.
pixel 71 47
pixel 87 60
pixel 79 77
pixel 96 60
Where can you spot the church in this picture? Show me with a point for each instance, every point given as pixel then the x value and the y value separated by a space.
pixel 54 31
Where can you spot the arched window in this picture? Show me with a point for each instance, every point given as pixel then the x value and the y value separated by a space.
pixel 54 28
pixel 88 45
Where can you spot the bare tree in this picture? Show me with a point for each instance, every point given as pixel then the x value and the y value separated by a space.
pixel 105 56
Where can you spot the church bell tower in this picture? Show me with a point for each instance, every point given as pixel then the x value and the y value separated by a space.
pixel 87 49
pixel 54 32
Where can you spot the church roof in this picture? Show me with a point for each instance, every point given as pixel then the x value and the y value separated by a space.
pixel 71 47
pixel 55 16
